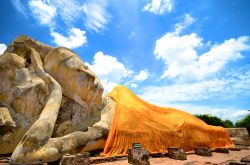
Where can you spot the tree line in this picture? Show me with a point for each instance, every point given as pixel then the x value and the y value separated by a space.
pixel 216 121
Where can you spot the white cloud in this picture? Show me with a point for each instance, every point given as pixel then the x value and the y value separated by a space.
pixel 183 91
pixel 69 10
pixel 49 12
pixel 188 20
pixel 182 60
pixel 2 48
pixel 76 38
pixel 19 6
pixel 159 6
pixel 96 14
pixel 178 53
pixel 234 84
pixel 133 85
pixel 41 10
pixel 109 70
pixel 141 76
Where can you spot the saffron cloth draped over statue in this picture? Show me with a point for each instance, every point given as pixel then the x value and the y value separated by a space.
pixel 157 128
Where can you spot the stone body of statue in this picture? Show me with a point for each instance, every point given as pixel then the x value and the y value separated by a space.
pixel 51 104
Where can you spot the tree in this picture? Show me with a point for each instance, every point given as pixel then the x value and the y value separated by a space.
pixel 228 124
pixel 211 120
pixel 245 122
pixel 214 120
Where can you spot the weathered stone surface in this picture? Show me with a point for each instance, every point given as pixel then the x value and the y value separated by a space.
pixel 221 150
pixel 6 121
pixel 203 151
pixel 79 84
pixel 177 153
pixel 46 93
pixel 238 132
pixel 138 156
pixel 67 159
pixel 241 141
pixel 78 159
pixel 246 159
pixel 239 136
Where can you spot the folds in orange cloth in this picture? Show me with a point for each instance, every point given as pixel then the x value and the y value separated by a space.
pixel 157 128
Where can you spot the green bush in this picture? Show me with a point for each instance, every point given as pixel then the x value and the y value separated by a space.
pixel 228 124
pixel 245 122
pixel 214 120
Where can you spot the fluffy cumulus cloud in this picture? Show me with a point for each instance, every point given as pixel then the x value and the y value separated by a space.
pixel 159 6
pixel 109 70
pixel 136 78
pixel 142 75
pixel 2 48
pixel 182 60
pixel 197 69
pixel 74 39
pixel 42 11
pixel 46 11
pixel 96 14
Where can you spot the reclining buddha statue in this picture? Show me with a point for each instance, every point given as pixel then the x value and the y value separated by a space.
pixel 51 104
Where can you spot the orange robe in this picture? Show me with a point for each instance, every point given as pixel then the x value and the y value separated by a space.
pixel 157 128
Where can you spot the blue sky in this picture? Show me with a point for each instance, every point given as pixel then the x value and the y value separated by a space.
pixel 191 55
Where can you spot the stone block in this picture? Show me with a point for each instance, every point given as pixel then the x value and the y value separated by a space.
pixel 177 153
pixel 138 156
pixel 202 151
pixel 238 132
pixel 221 150
pixel 78 159
pixel 241 141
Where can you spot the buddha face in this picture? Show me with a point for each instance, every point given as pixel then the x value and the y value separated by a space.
pixel 82 102
pixel 80 85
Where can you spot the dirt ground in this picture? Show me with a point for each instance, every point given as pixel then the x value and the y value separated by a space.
pixel 192 159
